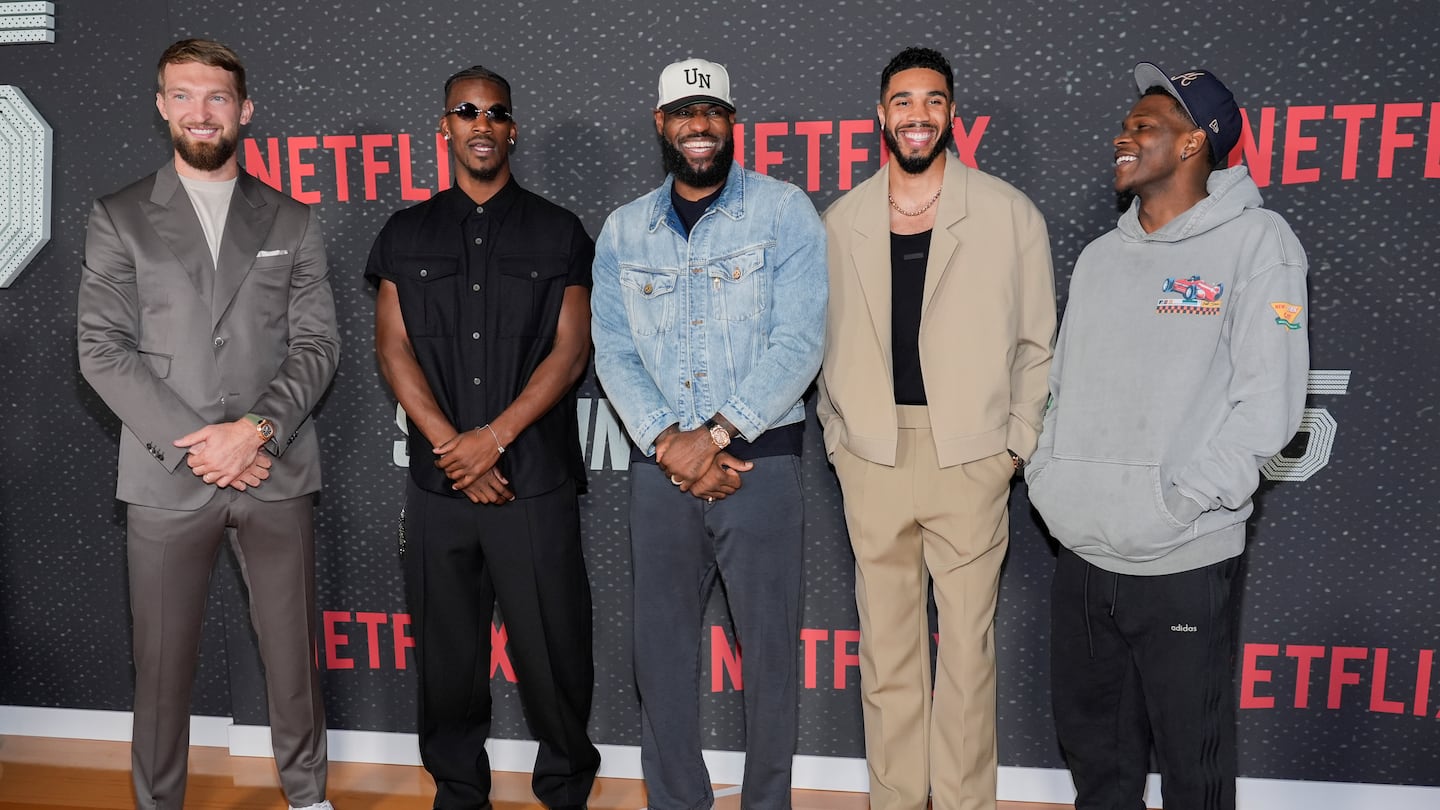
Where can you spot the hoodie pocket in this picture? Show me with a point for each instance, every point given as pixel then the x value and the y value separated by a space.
pixel 1108 507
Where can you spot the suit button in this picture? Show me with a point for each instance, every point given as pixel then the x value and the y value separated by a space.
pixel 219 341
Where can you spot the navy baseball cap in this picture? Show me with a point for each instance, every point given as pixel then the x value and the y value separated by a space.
pixel 1208 101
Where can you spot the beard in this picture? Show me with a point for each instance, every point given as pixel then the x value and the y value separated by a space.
pixel 205 157
pixel 483 175
pixel 713 175
pixel 917 163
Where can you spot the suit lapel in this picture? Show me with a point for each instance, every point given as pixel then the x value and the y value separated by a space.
pixel 246 226
pixel 870 252
pixel 943 242
pixel 178 226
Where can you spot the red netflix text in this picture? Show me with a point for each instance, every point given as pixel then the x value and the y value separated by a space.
pixel 1288 145
pixel 345 168
pixel 1308 676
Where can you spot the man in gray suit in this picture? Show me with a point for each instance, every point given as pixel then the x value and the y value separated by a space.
pixel 207 324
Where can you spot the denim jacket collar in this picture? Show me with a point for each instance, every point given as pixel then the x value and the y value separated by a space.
pixel 731 201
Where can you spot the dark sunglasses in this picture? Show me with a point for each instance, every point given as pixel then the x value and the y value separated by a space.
pixel 497 114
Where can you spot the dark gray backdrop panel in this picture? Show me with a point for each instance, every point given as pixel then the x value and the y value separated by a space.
pixel 1340 560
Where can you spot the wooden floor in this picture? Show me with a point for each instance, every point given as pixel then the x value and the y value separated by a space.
pixel 39 772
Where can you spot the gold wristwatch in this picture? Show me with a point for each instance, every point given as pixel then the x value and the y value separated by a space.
pixel 263 427
pixel 718 434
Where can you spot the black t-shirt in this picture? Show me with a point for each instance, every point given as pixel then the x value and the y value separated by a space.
pixel 690 211
pixel 480 290
pixel 908 255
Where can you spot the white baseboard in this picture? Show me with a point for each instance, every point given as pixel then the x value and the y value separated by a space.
pixel 1046 785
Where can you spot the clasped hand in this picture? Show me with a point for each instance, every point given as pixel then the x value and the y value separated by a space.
pixel 697 466
pixel 469 460
pixel 227 454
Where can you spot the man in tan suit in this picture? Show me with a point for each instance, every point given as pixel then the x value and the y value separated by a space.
pixel 938 342
pixel 207 324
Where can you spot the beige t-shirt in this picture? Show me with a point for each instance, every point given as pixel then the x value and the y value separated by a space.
pixel 212 204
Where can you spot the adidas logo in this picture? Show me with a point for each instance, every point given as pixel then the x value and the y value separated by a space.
pixel 1184 628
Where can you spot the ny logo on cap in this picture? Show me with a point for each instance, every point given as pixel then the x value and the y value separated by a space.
pixel 693 76
pixel 1186 78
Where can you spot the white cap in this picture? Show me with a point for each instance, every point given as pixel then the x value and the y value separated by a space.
pixel 694 81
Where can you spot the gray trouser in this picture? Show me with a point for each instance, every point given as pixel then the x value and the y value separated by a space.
pixel 751 541
pixel 171 554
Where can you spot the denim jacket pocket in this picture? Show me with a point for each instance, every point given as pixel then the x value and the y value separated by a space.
pixel 740 291
pixel 649 299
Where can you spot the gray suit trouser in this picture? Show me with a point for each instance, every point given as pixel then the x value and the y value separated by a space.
pixel 752 543
pixel 171 555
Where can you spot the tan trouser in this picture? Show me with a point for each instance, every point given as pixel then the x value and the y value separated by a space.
pixel 908 524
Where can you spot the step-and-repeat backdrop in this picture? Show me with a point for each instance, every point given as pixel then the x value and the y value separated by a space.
pixel 1336 672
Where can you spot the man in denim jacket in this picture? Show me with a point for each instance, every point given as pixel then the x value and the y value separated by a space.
pixel 708 320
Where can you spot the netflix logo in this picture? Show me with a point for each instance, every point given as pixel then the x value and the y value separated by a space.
pixel 1308 676
pixel 364 640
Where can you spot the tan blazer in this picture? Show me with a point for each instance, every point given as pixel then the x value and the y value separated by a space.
pixel 173 343
pixel 987 324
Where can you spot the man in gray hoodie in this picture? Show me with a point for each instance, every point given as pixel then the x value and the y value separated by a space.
pixel 1180 368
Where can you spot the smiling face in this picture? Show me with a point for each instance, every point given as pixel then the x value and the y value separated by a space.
pixel 481 148
pixel 1152 139
pixel 697 145
pixel 203 106
pixel 916 113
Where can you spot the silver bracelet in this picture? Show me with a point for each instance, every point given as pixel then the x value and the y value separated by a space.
pixel 498 445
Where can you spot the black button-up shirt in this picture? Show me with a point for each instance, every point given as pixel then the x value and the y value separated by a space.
pixel 480 290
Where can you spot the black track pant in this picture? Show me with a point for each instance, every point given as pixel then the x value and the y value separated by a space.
pixel 1142 659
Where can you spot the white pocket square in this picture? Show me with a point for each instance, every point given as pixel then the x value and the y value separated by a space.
pixel 265 254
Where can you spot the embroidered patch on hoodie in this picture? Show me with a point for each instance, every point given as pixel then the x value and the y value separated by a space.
pixel 1197 297
pixel 1286 315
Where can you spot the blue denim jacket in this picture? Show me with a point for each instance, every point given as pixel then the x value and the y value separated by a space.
pixel 731 320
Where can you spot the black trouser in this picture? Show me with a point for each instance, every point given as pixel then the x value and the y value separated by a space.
pixel 1136 659
pixel 461 559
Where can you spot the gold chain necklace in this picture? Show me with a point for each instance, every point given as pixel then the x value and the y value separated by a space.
pixel 918 211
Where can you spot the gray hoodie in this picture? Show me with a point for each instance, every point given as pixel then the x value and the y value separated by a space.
pixel 1180 368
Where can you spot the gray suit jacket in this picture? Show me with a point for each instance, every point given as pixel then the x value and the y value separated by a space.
pixel 172 343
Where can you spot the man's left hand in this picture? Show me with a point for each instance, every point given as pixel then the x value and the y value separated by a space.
pixel 219 453
pixel 722 479
pixel 467 456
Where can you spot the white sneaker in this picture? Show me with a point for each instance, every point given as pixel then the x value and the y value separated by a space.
pixel 321 806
